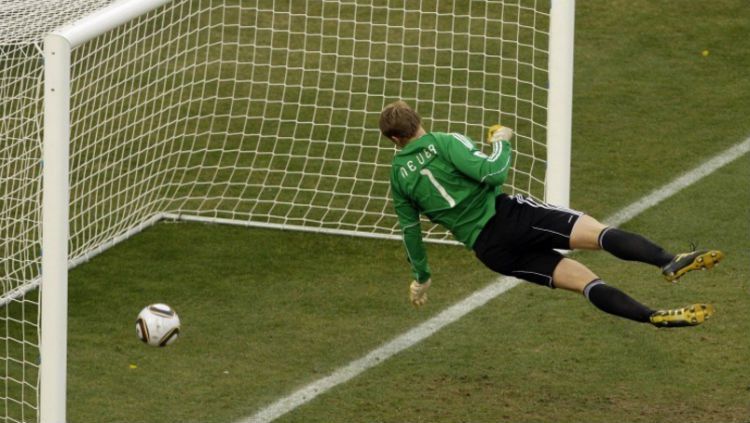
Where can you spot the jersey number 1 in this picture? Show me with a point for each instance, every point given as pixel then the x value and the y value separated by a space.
pixel 426 172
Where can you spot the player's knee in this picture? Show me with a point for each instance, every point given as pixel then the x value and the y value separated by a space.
pixel 572 275
pixel 586 233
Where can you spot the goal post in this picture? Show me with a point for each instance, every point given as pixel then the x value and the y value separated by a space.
pixel 560 100
pixel 56 196
pixel 55 203
pixel 260 113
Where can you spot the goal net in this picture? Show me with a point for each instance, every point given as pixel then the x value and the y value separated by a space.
pixel 248 112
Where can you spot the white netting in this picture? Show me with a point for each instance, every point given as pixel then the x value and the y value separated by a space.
pixel 250 111
pixel 22 26
pixel 267 112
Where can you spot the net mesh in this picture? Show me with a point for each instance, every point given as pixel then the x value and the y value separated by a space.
pixel 251 111
pixel 22 26
pixel 267 112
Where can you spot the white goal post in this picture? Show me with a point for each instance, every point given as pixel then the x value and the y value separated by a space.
pixel 56 197
pixel 119 114
pixel 560 101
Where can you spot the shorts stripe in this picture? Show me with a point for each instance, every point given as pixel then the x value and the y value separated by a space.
pixel 550 231
pixel 549 278
pixel 539 204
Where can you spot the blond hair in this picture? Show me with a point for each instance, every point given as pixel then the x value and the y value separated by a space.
pixel 399 120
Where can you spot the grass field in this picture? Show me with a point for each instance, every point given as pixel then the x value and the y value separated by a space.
pixel 265 312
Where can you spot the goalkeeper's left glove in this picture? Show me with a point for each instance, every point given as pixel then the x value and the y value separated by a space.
pixel 499 133
pixel 418 292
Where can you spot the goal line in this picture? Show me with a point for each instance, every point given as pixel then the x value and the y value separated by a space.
pixel 20 291
pixel 622 216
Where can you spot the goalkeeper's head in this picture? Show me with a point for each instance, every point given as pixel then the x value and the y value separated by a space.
pixel 400 123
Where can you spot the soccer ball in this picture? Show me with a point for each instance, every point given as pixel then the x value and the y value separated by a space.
pixel 157 325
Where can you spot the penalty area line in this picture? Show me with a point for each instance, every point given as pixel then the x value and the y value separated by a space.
pixel 479 298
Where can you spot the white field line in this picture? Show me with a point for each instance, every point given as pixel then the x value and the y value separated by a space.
pixel 478 298
pixel 677 185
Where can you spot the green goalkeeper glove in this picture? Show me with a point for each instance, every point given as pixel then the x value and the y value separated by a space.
pixel 499 133
pixel 418 293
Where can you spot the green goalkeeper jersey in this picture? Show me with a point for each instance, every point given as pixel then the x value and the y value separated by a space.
pixel 445 177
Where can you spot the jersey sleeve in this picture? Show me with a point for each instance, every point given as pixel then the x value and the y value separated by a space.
pixel 491 170
pixel 408 219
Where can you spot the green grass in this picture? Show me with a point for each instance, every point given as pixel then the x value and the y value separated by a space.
pixel 538 355
pixel 263 314
pixel 265 311
pixel 647 103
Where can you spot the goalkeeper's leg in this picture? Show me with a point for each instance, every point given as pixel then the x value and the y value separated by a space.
pixel 589 234
pixel 574 276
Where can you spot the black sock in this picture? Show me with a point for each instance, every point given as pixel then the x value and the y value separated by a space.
pixel 633 247
pixel 613 301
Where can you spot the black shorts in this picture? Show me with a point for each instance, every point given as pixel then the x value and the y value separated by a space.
pixel 520 240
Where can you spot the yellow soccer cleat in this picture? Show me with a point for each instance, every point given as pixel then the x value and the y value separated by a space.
pixel 679 317
pixel 696 260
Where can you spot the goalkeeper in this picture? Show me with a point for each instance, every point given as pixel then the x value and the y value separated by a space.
pixel 446 178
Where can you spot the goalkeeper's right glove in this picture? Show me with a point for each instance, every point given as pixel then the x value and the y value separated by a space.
pixel 499 133
pixel 418 292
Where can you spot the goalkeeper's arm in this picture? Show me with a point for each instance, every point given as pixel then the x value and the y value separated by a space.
pixel 420 269
pixel 408 218
pixel 491 170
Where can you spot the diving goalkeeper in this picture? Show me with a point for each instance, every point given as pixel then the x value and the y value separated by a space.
pixel 446 178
